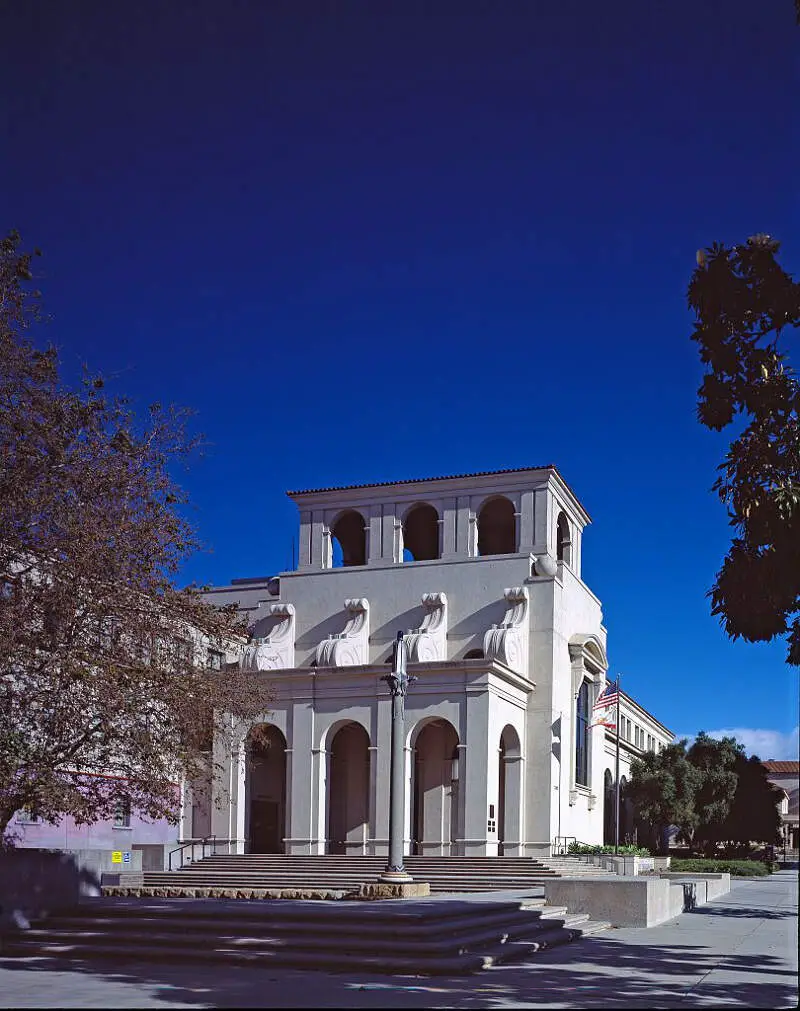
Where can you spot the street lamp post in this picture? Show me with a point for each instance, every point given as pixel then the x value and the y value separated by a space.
pixel 398 682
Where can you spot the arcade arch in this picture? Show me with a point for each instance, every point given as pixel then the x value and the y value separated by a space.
pixel 348 790
pixel 497 527
pixel 435 789
pixel 265 789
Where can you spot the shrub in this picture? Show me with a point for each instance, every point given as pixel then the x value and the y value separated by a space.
pixel 580 849
pixel 738 868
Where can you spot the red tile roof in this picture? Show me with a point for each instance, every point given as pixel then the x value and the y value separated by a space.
pixel 785 767
pixel 420 480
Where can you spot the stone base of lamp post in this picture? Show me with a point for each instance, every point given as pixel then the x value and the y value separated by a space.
pixel 408 889
pixel 390 877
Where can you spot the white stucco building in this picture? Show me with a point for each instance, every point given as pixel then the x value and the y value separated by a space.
pixel 507 645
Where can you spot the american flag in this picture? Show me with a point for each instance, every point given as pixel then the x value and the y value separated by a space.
pixel 609 696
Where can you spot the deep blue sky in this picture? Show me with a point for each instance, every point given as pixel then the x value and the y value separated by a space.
pixel 389 239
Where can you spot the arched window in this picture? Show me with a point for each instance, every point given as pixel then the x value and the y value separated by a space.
pixel 609 800
pixel 563 540
pixel 497 528
pixel 349 540
pixel 421 533
pixel 582 736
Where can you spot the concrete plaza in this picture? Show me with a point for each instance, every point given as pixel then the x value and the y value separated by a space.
pixel 739 951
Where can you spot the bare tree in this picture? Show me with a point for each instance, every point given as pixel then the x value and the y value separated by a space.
pixel 105 666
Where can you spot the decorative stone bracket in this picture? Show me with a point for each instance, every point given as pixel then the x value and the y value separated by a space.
pixel 350 647
pixel 275 650
pixel 429 641
pixel 508 642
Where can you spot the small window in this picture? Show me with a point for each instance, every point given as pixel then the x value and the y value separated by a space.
pixel 122 814
pixel 183 652
pixel 215 659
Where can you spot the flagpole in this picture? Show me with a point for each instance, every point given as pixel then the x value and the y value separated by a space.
pixel 616 779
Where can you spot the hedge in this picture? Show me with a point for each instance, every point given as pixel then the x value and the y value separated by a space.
pixel 739 868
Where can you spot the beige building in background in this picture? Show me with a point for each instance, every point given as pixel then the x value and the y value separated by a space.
pixel 786 776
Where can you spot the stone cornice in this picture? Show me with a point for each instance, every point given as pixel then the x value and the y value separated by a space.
pixel 468 671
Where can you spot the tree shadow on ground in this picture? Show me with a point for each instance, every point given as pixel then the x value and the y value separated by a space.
pixel 743 912
pixel 597 972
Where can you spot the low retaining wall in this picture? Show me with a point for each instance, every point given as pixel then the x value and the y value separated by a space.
pixel 630 866
pixel 714 885
pixel 635 901
pixel 36 882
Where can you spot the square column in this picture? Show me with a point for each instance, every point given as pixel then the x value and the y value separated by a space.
pixel 301 836
pixel 479 782
pixel 380 774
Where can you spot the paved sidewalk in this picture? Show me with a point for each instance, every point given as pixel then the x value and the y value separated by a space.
pixel 737 952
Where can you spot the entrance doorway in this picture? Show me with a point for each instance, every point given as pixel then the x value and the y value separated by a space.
pixel 266 790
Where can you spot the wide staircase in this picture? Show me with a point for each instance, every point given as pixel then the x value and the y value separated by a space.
pixel 345 873
pixel 442 935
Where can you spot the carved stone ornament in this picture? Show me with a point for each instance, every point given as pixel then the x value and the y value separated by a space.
pixel 276 650
pixel 350 647
pixel 545 565
pixel 508 642
pixel 429 641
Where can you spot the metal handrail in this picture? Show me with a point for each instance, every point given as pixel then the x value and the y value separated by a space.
pixel 193 842
pixel 561 844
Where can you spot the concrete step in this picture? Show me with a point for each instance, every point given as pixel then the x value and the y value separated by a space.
pixel 339 872
pixel 428 936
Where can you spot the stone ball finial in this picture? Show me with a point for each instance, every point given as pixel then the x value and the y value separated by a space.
pixel 545 565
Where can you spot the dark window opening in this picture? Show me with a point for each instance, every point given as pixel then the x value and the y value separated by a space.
pixel 122 814
pixel 474 654
pixel 497 530
pixel 421 533
pixel 349 540
pixel 563 541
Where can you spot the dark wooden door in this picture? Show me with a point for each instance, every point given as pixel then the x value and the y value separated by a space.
pixel 265 834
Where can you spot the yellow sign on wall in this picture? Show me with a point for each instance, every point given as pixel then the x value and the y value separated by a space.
pixel 116 856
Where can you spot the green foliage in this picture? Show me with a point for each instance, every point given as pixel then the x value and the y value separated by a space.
pixel 740 868
pixel 743 300
pixel 662 788
pixel 715 763
pixel 713 793
pixel 753 814
pixel 581 849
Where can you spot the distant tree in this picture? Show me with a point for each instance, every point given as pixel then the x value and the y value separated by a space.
pixel 662 790
pixel 754 814
pixel 105 666
pixel 743 300
pixel 715 763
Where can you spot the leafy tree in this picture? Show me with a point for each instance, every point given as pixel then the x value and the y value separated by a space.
pixel 743 300
pixel 662 789
pixel 754 814
pixel 104 663
pixel 715 763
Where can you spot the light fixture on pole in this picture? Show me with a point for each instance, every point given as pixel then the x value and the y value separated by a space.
pixel 398 682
